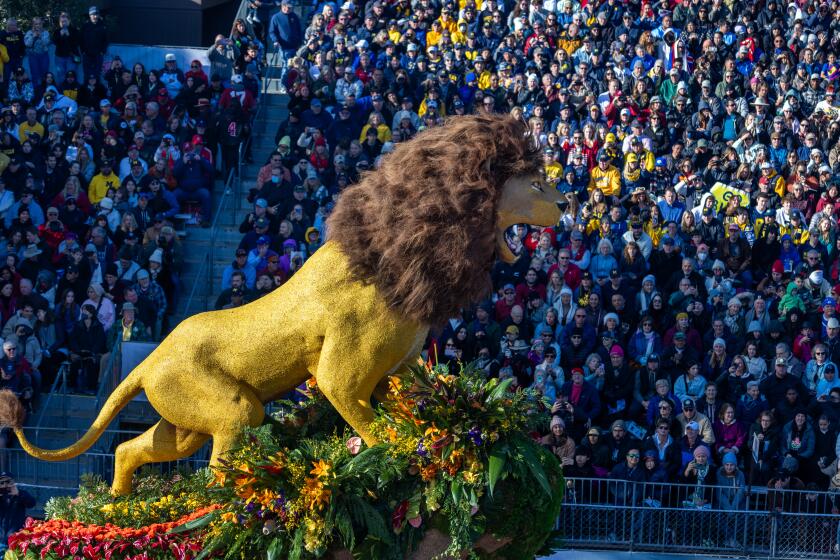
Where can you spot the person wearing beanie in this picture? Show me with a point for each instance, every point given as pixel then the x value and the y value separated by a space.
pixel 619 442
pixel 751 405
pixel 559 443
pixel 654 473
pixel 645 295
pixel 730 496
pixel 581 468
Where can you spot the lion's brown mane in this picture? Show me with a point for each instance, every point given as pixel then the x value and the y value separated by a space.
pixel 422 227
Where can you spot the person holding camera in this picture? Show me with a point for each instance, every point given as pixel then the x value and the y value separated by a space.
pixel 13 505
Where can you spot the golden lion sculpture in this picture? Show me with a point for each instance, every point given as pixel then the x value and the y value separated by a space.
pixel 409 245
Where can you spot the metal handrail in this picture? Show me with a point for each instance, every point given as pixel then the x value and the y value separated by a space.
pixel 233 186
pixel 207 261
pixel 104 390
pixel 60 383
pixel 264 82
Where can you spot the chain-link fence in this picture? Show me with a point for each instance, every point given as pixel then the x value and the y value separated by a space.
pixel 728 520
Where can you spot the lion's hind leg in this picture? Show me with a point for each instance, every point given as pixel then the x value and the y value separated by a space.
pixel 161 442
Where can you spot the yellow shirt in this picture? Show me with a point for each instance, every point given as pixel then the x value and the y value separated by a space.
pixel 4 57
pixel 24 130
pixel 553 172
pixel 99 186
pixel 383 133
pixel 608 181
pixel 432 38
pixel 451 25
pixel 484 80
pixel 463 4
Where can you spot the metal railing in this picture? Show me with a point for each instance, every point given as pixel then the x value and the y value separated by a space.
pixel 111 375
pixel 683 518
pixel 60 386
pixel 205 269
pixel 67 474
pixel 233 187
pixel 270 69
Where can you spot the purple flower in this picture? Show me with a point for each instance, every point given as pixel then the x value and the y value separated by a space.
pixel 475 435
pixel 421 449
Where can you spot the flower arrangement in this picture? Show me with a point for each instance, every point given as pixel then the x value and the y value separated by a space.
pixel 73 539
pixel 455 458
pixel 154 499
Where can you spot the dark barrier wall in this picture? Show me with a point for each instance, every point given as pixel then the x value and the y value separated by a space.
pixel 169 22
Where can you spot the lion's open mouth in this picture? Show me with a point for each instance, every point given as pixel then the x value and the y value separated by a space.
pixel 504 249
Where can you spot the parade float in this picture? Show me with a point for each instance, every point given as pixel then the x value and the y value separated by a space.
pixel 457 471
pixel 443 465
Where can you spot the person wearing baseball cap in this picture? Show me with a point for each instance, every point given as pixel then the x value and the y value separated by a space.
pixel 505 303
pixel 702 424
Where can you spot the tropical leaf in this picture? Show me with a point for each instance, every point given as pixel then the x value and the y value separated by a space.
pixel 497 461
pixel 344 524
pixel 275 549
pixel 499 390
pixel 194 524
pixel 455 489
pixel 534 465
pixel 367 517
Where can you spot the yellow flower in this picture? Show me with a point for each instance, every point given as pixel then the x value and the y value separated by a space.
pixel 315 494
pixel 321 470
pixel 219 478
pixel 107 508
pixel 470 477
pixel 228 517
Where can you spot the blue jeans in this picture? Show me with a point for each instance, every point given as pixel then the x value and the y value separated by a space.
pixel 285 55
pixel 39 64
pixel 203 198
pixel 64 64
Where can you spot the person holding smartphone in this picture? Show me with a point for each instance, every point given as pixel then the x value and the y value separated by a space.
pixel 13 505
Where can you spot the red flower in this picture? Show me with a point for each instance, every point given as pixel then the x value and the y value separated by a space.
pixel 398 517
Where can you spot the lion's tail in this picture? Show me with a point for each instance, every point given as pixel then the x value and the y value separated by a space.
pixel 12 415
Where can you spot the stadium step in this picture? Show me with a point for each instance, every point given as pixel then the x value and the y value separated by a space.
pixel 226 238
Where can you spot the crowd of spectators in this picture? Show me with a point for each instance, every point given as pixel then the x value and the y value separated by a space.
pixel 683 314
pixel 99 158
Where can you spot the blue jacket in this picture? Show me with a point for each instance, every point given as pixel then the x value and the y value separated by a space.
pixel 194 174
pixel 285 29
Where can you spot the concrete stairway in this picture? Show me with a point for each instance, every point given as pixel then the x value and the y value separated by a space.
pixel 226 237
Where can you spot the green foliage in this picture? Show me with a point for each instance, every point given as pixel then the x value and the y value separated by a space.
pixel 154 499
pixel 454 457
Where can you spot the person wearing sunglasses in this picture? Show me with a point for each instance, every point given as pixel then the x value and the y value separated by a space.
pixel 664 443
pixel 625 475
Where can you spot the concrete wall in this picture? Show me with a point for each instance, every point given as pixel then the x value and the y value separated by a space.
pixel 170 22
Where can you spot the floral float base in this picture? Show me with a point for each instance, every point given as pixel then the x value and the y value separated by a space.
pixel 456 473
